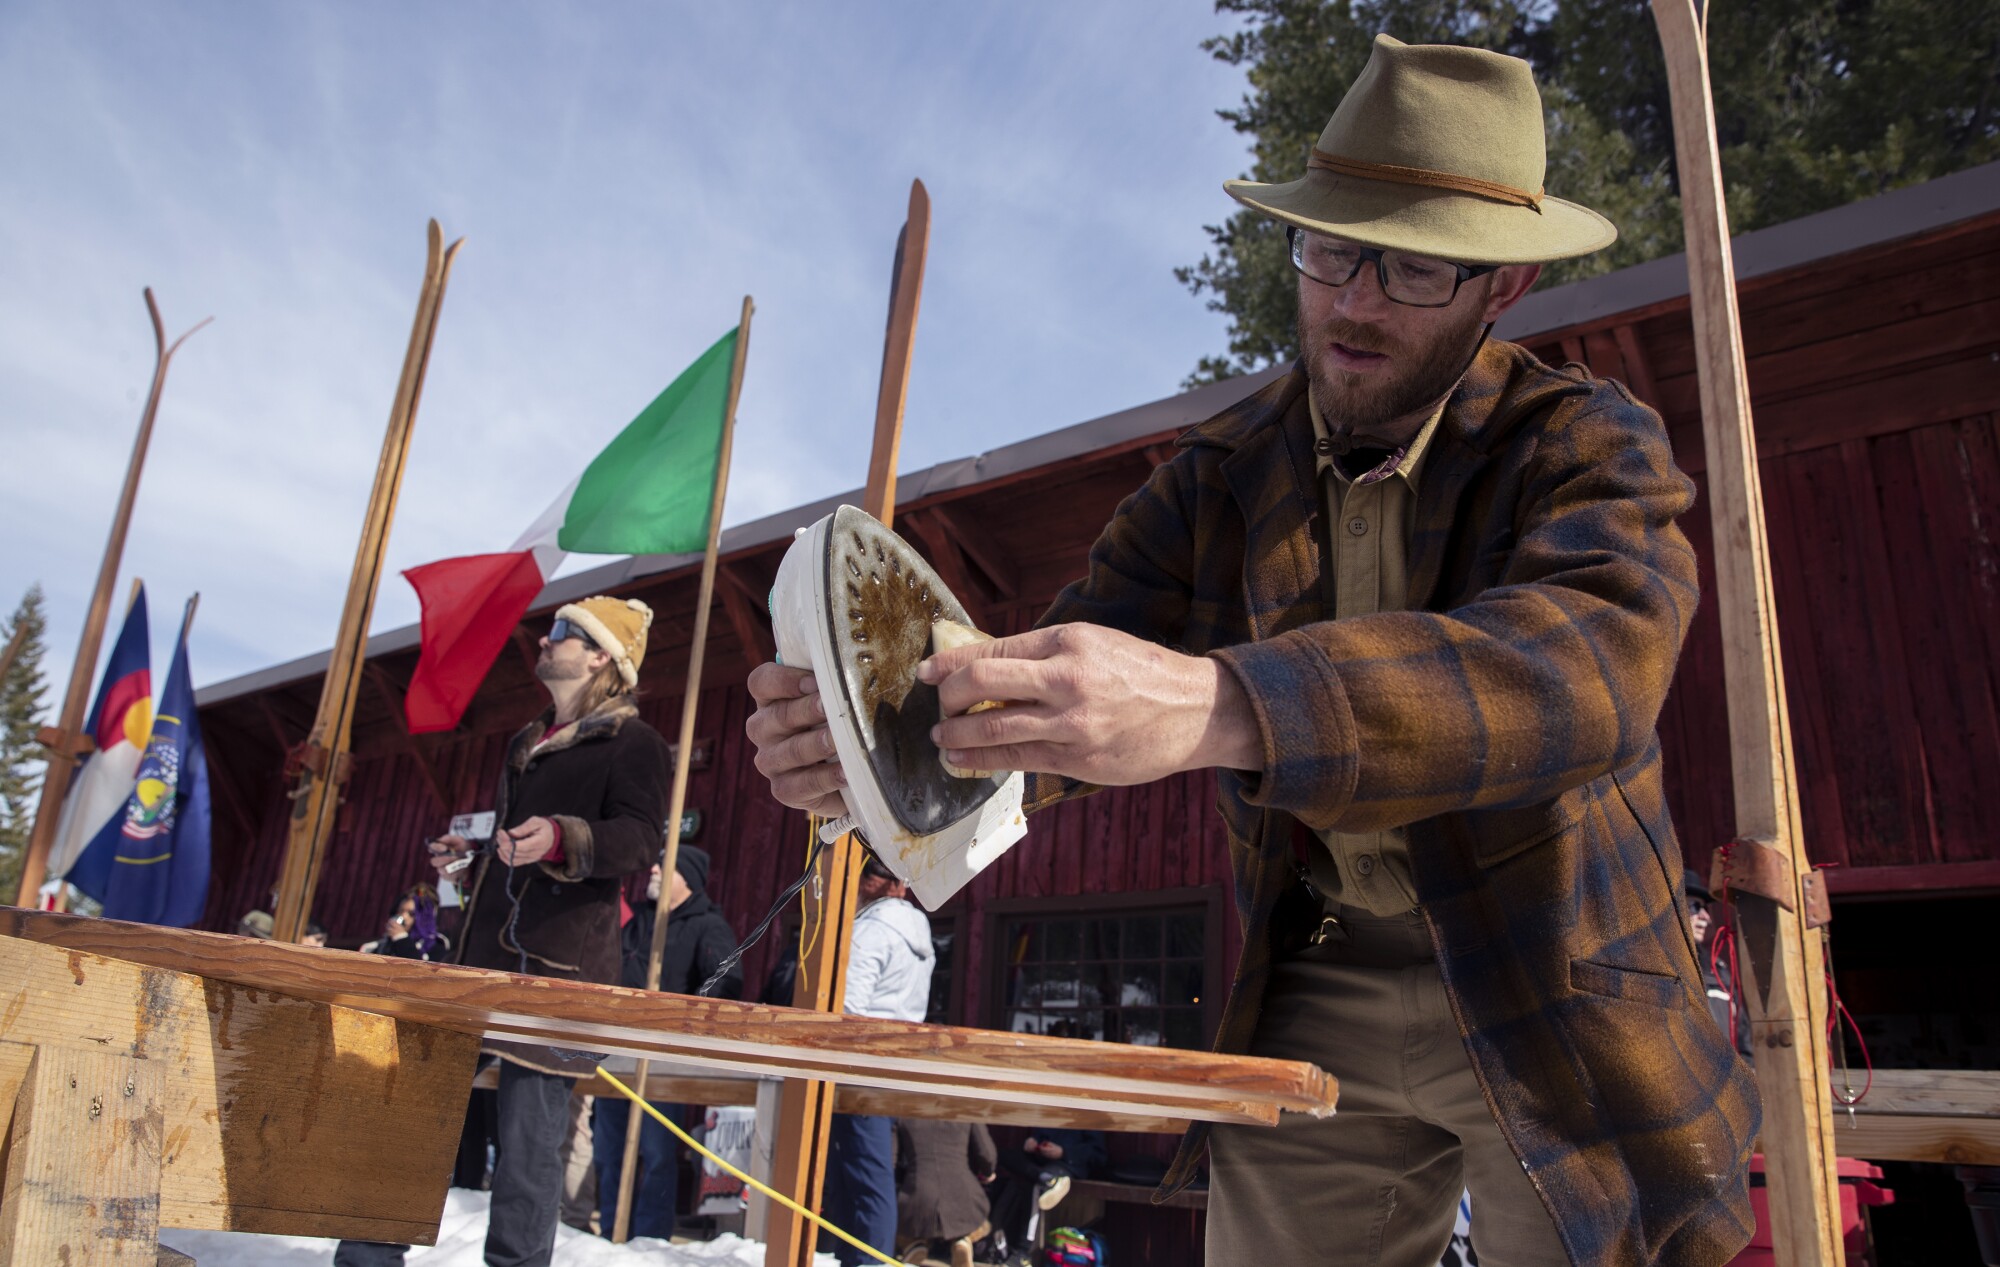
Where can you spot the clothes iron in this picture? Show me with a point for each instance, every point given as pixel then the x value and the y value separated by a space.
pixel 854 603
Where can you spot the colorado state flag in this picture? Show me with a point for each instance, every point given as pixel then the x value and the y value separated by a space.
pixel 151 864
pixel 118 725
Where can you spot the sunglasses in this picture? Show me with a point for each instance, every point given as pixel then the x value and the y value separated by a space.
pixel 565 629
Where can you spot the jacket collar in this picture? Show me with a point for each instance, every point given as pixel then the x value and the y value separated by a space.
pixel 601 722
pixel 1505 385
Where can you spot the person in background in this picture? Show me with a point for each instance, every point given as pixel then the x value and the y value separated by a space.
pixel 1730 1017
pixel 411 931
pixel 941 1172
pixel 581 797
pixel 1036 1178
pixel 698 940
pixel 888 976
pixel 315 936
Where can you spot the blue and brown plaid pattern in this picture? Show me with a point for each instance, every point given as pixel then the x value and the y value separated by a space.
pixel 1507 720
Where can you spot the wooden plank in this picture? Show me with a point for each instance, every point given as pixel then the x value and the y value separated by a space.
pixel 717 1033
pixel 1926 877
pixel 275 1109
pixel 1933 1093
pixel 83 1161
pixel 1958 1141
pixel 715 1092
pixel 746 611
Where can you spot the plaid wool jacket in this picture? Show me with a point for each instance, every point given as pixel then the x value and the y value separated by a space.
pixel 1507 719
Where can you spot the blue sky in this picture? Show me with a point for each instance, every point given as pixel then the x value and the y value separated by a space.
pixel 623 175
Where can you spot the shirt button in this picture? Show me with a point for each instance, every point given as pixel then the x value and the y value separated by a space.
pixel 1365 864
pixel 1358 526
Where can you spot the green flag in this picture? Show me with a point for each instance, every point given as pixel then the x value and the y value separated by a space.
pixel 650 490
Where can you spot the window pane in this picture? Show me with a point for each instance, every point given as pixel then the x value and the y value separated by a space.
pixel 1142 1027
pixel 1183 983
pixel 1024 939
pixel 1184 1028
pixel 1184 937
pixel 1139 985
pixel 1061 939
pixel 1141 936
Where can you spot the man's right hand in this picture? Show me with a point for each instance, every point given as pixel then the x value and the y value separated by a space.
pixel 446 850
pixel 794 747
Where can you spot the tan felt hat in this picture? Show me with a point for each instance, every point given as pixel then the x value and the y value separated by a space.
pixel 617 625
pixel 1437 150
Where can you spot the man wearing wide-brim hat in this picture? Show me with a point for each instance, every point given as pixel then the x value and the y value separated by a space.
pixel 1423 595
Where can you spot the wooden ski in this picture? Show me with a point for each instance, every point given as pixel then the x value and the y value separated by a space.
pixel 805 1112
pixel 323 759
pixel 1786 987
pixel 63 754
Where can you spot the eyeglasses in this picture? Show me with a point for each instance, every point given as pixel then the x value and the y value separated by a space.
pixel 565 629
pixel 1416 281
pixel 1697 905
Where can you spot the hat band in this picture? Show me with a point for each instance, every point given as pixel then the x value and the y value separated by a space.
pixel 1424 176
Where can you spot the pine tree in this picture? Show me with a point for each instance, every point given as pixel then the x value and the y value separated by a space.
pixel 1817 103
pixel 21 700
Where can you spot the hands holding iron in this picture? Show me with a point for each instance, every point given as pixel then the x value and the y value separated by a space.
pixel 1082 701
pixel 794 747
pixel 1090 703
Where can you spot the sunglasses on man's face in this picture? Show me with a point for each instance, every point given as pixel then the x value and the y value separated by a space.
pixel 565 629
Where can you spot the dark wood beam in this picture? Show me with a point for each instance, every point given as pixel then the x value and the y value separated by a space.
pixel 392 695
pixel 947 558
pixel 1638 369
pixel 529 645
pixel 744 606
pixel 980 549
pixel 1159 454
pixel 222 773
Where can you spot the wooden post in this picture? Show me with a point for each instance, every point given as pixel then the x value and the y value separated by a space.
pixel 322 775
pixel 805 1113
pixel 683 753
pixel 1786 990
pixel 62 756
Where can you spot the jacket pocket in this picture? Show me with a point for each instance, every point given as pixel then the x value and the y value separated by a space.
pixel 1498 835
pixel 1630 984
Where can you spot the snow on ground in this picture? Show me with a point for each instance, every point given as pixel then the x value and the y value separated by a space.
pixel 461 1240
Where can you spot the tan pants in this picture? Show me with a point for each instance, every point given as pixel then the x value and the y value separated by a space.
pixel 1378 1182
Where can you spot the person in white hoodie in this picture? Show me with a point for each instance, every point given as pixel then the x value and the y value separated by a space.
pixel 888 976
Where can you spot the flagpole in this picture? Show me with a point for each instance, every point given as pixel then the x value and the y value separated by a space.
pixel 805 1106
pixel 677 802
pixel 63 755
pixel 322 760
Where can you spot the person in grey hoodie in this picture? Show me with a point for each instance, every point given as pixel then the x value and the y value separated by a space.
pixel 888 976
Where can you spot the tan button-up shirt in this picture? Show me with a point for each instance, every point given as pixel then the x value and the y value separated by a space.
pixel 1368 525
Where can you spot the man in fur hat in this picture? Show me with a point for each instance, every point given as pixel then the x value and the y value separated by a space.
pixel 1418 603
pixel 582 804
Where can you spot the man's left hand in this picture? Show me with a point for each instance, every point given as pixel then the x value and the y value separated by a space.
pixel 529 842
pixel 1090 703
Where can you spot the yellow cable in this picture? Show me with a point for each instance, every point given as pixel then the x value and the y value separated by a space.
pixel 770 1192
pixel 806 946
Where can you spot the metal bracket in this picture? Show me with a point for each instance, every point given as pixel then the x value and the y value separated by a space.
pixel 1756 866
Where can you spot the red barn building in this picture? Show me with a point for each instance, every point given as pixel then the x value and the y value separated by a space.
pixel 1873 337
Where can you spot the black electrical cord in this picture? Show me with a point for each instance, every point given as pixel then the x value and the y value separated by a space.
pixel 757 934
